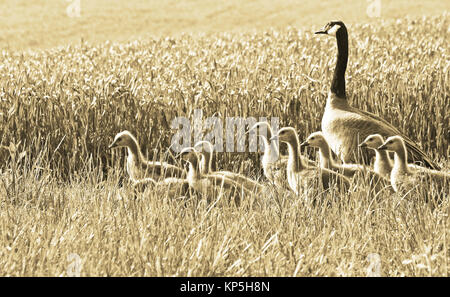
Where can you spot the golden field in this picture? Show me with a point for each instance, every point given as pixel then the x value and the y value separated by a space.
pixel 62 192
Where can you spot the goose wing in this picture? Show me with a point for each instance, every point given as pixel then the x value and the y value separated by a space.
pixel 227 183
pixel 246 182
pixel 162 169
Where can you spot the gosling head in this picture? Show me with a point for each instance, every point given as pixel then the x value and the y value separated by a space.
pixel 372 141
pixel 205 145
pixel 286 134
pixel 333 28
pixel 393 143
pixel 123 139
pixel 189 154
pixel 316 139
pixel 261 124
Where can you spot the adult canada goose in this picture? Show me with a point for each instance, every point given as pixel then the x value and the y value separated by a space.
pixel 301 176
pixel 403 177
pixel 343 125
pixel 210 186
pixel 318 140
pixel 138 167
pixel 206 168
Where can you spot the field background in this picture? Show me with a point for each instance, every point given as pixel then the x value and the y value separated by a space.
pixel 62 101
pixel 44 23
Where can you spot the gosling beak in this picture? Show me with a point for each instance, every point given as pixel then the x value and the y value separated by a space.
pixel 382 148
pixel 275 137
pixel 363 145
pixel 304 144
pixel 112 145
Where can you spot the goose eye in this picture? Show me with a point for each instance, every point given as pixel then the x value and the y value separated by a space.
pixel 119 139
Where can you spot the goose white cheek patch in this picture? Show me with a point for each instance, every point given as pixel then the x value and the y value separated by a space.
pixel 333 30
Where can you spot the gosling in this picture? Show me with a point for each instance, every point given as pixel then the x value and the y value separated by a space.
pixel 138 167
pixel 405 178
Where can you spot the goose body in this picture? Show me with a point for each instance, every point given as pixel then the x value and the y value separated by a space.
pixel 138 167
pixel 206 169
pixel 344 126
pixel 405 178
pixel 210 186
pixel 317 139
pixel 301 177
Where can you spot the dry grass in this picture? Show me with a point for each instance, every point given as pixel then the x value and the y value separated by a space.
pixel 62 195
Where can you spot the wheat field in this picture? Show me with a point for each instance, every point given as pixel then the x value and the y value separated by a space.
pixel 62 192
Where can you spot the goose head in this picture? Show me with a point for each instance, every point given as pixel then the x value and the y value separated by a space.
pixel 286 134
pixel 261 124
pixel 333 28
pixel 205 145
pixel 190 155
pixel 316 139
pixel 393 143
pixel 123 139
pixel 372 141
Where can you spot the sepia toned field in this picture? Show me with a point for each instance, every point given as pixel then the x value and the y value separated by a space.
pixel 47 23
pixel 62 192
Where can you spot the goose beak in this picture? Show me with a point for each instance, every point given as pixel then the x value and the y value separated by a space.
pixel 275 137
pixel 382 148
pixel 363 145
pixel 304 144
pixel 112 145
pixel 321 32
pixel 254 127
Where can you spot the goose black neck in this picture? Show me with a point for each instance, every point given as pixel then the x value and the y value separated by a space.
pixel 338 83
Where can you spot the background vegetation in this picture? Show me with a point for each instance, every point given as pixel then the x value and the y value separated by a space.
pixel 60 188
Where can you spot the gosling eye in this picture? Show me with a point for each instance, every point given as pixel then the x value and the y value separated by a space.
pixel 119 139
